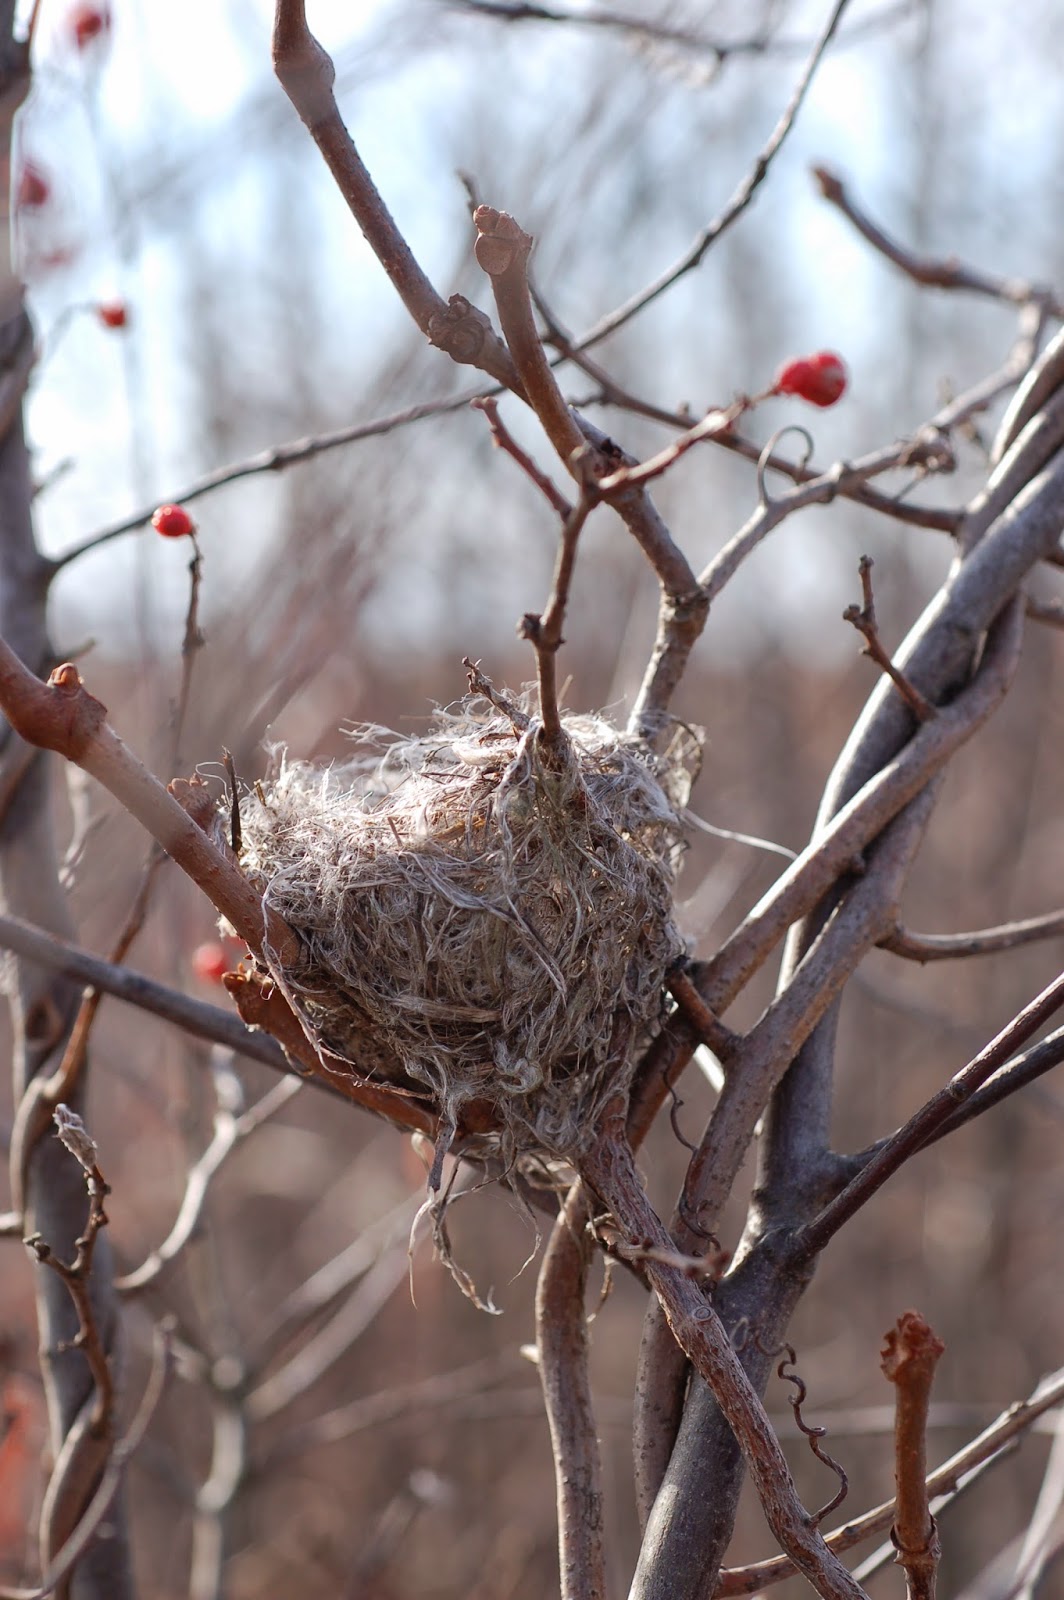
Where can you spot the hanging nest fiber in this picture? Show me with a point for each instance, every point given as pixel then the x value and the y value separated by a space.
pixel 496 914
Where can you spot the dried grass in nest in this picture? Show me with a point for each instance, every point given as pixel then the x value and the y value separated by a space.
pixel 497 915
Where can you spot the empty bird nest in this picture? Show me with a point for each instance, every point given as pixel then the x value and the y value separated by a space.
pixel 493 911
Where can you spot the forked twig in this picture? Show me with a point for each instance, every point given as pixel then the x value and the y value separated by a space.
pixel 863 618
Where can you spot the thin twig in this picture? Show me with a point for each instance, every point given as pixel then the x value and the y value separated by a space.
pixel 738 203
pixel 927 270
pixel 76 1274
pixel 920 1127
pixel 863 618
pixel 544 632
pixel 909 1359
pixel 924 947
pixel 275 459
pixel 504 440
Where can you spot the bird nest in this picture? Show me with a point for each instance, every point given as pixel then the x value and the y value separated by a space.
pixel 492 911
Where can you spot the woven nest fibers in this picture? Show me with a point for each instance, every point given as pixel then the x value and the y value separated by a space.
pixel 494 914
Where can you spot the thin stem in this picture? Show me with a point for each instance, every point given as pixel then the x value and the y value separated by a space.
pixel 562 1345
pixel 919 1129
pixel 909 1359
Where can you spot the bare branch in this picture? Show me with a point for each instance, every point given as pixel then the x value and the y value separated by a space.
pixel 924 947
pixel 272 460
pixel 195 1016
pixel 920 1127
pixel 504 440
pixel 863 618
pixel 502 251
pixel 306 74
pixel 545 633
pixel 837 848
pixel 932 273
pixel 229 1131
pixel 738 203
pixel 562 1344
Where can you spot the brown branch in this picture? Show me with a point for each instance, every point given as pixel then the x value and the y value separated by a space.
pixel 735 207
pixel 923 1124
pixel 192 641
pixel 706 1027
pixel 924 947
pixel 609 1169
pixel 992 1444
pixel 544 632
pixel 195 1016
pixel 909 1359
pixel 562 1345
pixel 928 270
pixel 504 440
pixel 306 74
pixel 863 618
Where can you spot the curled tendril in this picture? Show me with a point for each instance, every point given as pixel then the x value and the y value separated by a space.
pixel 765 458
pixel 815 1434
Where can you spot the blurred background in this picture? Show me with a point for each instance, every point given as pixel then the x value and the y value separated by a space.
pixel 180 185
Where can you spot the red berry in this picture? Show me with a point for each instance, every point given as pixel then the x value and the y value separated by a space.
pixel 86 23
pixel 33 190
pixel 821 379
pixel 173 522
pixel 211 961
pixel 113 313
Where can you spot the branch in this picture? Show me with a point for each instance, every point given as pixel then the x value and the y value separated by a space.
pixel 909 1359
pixel 195 1016
pixel 275 459
pixel 922 1126
pixel 306 74
pixel 562 1345
pixel 229 1131
pixel 545 632
pixel 927 270
pixel 863 618
pixel 76 1274
pixel 924 947
pixel 738 203
pixel 502 251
